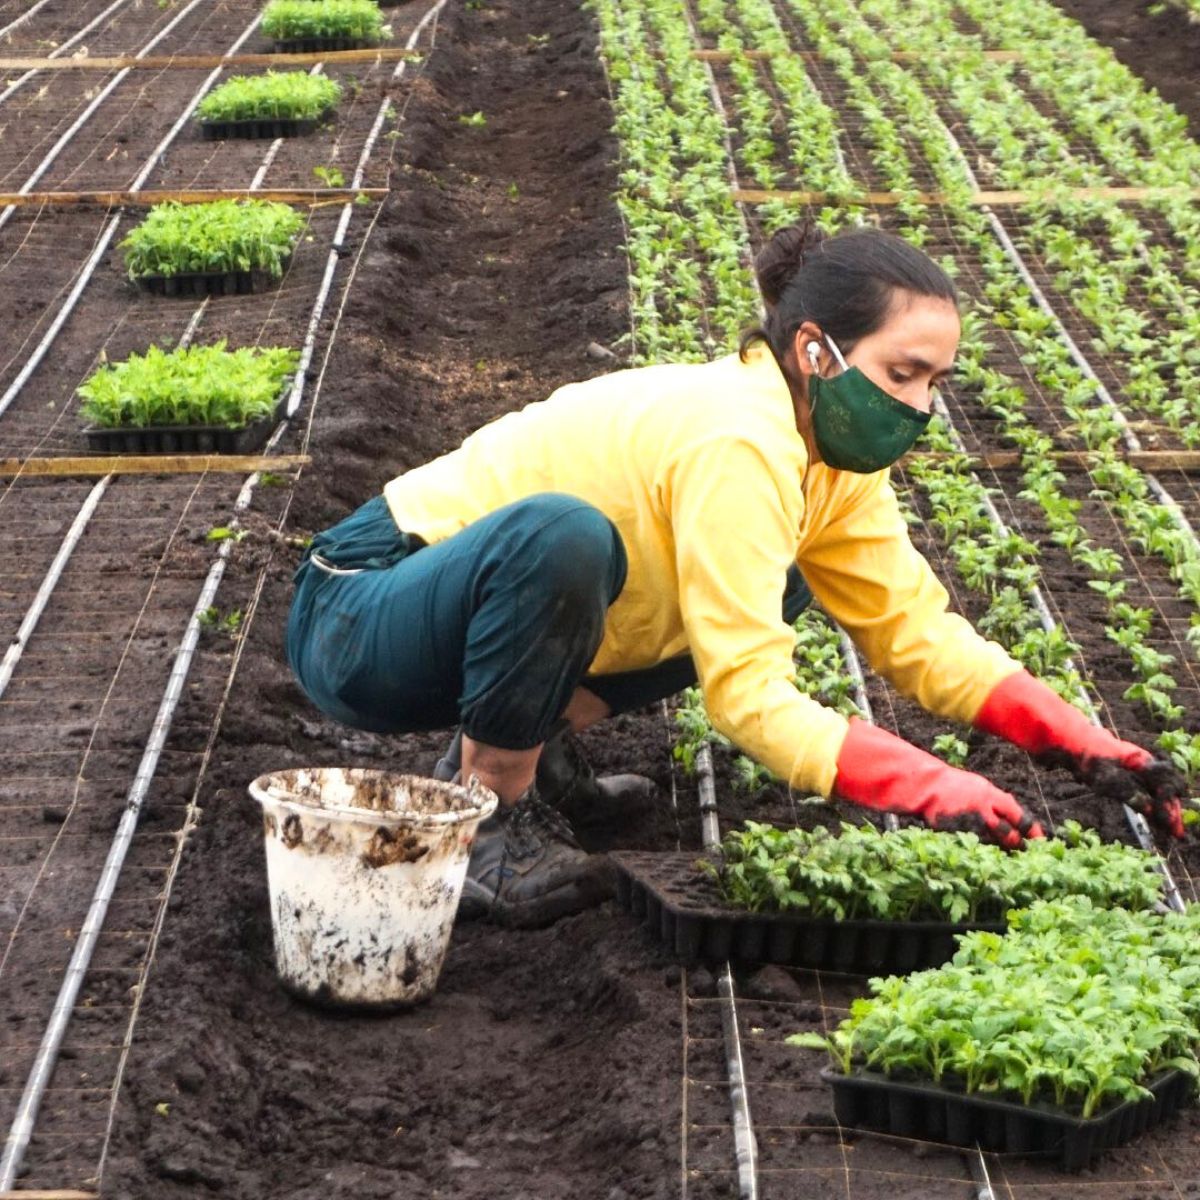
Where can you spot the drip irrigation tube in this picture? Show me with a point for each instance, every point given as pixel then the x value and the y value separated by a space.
pixel 21 1130
pixel 1136 821
pixel 744 1142
pixel 57 53
pixel 745 1145
pixel 102 95
pixel 17 646
pixel 1132 443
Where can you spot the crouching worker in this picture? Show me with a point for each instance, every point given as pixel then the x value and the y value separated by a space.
pixel 631 534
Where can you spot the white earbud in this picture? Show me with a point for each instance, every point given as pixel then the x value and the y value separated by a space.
pixel 814 353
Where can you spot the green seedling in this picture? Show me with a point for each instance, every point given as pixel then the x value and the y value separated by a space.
pixel 476 119
pixel 330 176
pixel 952 748
pixel 229 623
pixel 223 533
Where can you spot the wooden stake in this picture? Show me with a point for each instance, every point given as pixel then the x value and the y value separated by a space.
pixel 204 62
pixel 314 196
pixel 53 1194
pixel 998 198
pixel 151 464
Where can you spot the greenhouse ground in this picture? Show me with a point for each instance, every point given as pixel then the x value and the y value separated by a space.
pixel 575 1060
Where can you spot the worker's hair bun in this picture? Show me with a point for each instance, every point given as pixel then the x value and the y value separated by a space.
pixel 777 263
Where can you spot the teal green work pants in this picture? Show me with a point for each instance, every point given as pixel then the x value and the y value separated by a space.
pixel 493 628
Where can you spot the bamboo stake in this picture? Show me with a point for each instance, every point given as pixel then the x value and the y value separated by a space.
pixel 1056 195
pixel 151 464
pixel 52 1194
pixel 314 196
pixel 204 62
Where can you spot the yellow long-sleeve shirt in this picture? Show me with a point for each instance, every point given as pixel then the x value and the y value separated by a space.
pixel 705 475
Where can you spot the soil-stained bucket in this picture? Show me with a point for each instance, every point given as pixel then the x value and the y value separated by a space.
pixel 365 871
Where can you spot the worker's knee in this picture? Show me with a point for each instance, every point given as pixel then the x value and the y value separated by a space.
pixel 578 551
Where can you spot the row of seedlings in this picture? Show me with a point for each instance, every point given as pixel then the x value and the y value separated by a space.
pixel 1016 317
pixel 1085 1074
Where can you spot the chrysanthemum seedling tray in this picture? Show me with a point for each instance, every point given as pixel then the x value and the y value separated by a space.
pixel 264 127
pixel 680 906
pixel 313 45
pixel 184 439
pixel 928 1112
pixel 211 283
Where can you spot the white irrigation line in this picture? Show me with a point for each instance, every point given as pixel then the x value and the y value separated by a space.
pixel 1046 619
pixel 1137 823
pixel 42 348
pixel 104 93
pixel 17 646
pixel 46 1060
pixel 745 1144
pixel 47 1055
pixel 18 83
pixel 1131 440
pixel 23 17
pixel 744 1141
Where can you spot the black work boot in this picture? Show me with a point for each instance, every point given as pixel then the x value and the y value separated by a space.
pixel 527 870
pixel 566 781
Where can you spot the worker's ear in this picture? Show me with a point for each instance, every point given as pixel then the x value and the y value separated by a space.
pixel 809 350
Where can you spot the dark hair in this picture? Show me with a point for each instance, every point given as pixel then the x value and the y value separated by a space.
pixel 845 284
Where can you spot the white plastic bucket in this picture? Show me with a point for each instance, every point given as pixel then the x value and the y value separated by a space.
pixel 365 871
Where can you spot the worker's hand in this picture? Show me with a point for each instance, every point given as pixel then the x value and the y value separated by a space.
pixel 879 770
pixel 1027 713
pixel 1149 785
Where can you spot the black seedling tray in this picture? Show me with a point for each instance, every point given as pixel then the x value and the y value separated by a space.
pixel 185 439
pixel 211 283
pixel 316 44
pixel 680 906
pixel 912 1110
pixel 264 127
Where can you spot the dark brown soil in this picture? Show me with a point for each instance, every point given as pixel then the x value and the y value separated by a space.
pixel 549 1063
pixel 1155 41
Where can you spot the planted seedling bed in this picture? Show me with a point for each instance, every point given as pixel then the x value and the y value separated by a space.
pixel 1072 1034
pixel 866 901
pixel 277 104
pixel 226 247
pixel 202 399
pixel 868 1100
pixel 680 905
pixel 309 26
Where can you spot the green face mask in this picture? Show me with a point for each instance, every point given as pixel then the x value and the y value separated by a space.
pixel 856 424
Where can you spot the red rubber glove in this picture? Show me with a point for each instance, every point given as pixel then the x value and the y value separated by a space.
pixel 879 770
pixel 1029 714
